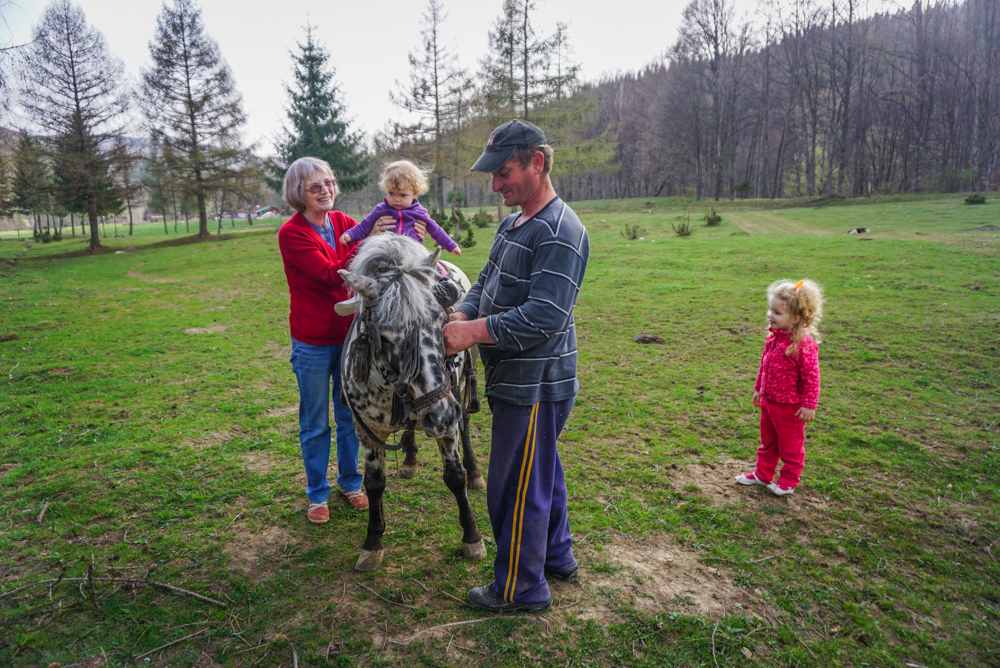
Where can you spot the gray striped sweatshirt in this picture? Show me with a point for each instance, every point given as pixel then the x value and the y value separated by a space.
pixel 527 292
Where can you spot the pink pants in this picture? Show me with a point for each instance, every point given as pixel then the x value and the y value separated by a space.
pixel 782 436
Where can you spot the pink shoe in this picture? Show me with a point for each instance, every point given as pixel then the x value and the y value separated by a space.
pixel 749 479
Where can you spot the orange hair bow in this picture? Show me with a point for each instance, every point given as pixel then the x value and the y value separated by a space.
pixel 798 285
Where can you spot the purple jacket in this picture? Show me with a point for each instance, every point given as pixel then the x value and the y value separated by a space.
pixel 404 224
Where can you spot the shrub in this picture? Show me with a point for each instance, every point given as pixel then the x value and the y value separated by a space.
pixel 469 241
pixel 45 237
pixel 57 236
pixel 975 198
pixel 632 232
pixel 683 226
pixel 712 219
pixel 482 219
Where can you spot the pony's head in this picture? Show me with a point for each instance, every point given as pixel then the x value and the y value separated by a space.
pixel 405 307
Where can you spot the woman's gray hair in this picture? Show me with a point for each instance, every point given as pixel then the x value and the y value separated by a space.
pixel 293 189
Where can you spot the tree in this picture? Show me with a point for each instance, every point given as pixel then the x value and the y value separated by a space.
pixel 73 92
pixel 432 91
pixel 318 125
pixel 31 181
pixel 192 106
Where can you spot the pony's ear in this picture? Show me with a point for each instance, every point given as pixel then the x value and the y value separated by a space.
pixel 432 259
pixel 446 293
pixel 362 285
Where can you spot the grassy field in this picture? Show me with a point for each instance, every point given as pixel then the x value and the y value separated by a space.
pixel 148 433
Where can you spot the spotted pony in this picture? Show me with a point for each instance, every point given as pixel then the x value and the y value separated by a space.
pixel 394 375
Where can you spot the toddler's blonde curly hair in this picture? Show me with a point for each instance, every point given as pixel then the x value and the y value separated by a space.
pixel 404 174
pixel 804 299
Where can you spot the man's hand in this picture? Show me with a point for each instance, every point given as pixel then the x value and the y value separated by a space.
pixel 458 316
pixel 806 414
pixel 460 334
pixel 756 398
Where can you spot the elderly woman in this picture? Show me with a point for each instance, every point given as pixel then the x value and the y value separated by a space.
pixel 312 254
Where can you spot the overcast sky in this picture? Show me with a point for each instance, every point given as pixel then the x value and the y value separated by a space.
pixel 368 42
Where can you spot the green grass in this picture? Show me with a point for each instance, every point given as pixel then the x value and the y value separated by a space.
pixel 173 456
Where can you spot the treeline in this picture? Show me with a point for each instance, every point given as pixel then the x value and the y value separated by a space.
pixel 78 155
pixel 804 98
pixel 811 99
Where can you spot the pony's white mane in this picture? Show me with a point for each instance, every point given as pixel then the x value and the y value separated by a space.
pixel 407 298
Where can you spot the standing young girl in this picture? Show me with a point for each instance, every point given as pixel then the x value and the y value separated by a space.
pixel 787 387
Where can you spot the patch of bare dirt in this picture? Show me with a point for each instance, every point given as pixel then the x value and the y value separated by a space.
pixel 656 575
pixel 259 461
pixel 212 439
pixel 214 329
pixel 217 308
pixel 60 371
pixel 6 468
pixel 107 538
pixel 284 411
pixel 715 480
pixel 259 554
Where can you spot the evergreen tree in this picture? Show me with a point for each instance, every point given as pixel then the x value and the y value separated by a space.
pixel 192 106
pixel 319 128
pixel 74 93
pixel 31 180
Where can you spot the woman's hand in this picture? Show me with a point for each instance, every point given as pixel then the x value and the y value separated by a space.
pixel 420 227
pixel 806 414
pixel 756 399
pixel 383 224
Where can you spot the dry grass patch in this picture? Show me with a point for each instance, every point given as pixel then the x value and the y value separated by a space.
pixel 214 329
pixel 259 554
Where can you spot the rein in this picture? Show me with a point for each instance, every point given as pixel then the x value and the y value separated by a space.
pixel 364 345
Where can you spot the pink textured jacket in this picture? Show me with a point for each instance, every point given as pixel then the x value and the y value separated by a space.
pixel 789 379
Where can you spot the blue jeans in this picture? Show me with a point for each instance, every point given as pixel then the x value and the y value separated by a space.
pixel 314 367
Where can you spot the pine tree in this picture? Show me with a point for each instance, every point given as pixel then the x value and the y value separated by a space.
pixel 31 180
pixel 192 106
pixel 319 128
pixel 74 93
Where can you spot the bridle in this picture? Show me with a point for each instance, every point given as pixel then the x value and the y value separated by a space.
pixel 365 344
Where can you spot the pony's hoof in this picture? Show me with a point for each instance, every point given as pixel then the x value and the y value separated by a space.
pixel 474 551
pixel 370 560
pixel 476 483
pixel 407 471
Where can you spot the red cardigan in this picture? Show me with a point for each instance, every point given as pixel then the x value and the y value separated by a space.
pixel 313 282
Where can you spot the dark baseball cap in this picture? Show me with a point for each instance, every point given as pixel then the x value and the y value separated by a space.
pixel 502 142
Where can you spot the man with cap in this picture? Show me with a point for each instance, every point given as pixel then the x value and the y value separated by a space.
pixel 520 312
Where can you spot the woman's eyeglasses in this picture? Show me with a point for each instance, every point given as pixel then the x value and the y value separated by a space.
pixel 317 188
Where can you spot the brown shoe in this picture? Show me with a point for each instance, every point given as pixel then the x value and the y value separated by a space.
pixel 357 499
pixel 318 513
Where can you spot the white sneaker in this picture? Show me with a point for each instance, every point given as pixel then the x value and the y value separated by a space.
pixel 749 479
pixel 777 490
pixel 352 305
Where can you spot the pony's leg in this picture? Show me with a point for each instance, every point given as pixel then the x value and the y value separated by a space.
pixel 409 445
pixel 454 477
pixel 372 551
pixel 474 479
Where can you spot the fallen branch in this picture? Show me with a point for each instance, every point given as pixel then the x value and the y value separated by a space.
pixel 402 605
pixel 45 506
pixel 161 585
pixel 196 633
pixel 444 626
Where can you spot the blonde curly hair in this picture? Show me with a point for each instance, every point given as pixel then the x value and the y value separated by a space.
pixel 404 174
pixel 803 299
